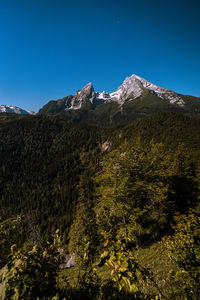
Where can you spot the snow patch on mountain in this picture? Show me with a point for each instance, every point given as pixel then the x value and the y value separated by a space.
pixel 15 110
pixel 134 86
pixel 160 91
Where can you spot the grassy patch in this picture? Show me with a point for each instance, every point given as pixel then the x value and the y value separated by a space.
pixel 71 275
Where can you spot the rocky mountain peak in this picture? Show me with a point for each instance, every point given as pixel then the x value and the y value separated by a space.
pixel 133 87
pixel 88 86
pixel 85 94
pixel 86 91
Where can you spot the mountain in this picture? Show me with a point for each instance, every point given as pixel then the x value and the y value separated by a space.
pixel 135 98
pixel 134 87
pixel 15 110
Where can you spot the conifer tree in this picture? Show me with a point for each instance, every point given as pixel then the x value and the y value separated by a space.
pixel 83 231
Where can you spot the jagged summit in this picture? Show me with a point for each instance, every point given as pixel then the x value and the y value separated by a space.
pixel 85 94
pixel 87 89
pixel 136 97
pixel 133 87
pixel 88 86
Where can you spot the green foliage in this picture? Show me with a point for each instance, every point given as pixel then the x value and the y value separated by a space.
pixel 87 285
pixel 33 273
pixel 83 232
pixel 43 157
pixel 126 272
pixel 171 129
pixel 137 190
pixel 47 166
pixel 12 231
pixel 41 161
pixel 184 249
pixel 155 258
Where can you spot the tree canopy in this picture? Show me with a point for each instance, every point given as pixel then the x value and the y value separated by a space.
pixel 136 191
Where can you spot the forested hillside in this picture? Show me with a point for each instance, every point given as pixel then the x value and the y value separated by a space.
pixel 42 159
pixel 109 191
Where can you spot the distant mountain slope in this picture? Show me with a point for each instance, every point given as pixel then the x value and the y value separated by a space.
pixel 135 98
pixel 15 110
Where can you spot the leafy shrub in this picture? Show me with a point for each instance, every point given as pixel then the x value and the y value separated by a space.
pixel 184 249
pixel 31 274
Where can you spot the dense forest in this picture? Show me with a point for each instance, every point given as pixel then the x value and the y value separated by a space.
pixel 122 200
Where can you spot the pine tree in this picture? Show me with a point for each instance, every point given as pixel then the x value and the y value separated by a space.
pixel 83 231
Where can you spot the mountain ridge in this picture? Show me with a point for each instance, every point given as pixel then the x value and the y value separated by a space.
pixel 132 87
pixel 136 97
pixel 15 110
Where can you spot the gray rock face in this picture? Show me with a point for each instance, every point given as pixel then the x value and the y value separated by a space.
pixel 106 146
pixel 85 94
pixel 134 93
pixel 133 87
pixel 66 261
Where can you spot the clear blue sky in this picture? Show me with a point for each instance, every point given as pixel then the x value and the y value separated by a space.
pixel 51 48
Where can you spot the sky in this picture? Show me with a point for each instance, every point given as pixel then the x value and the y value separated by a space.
pixel 51 48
